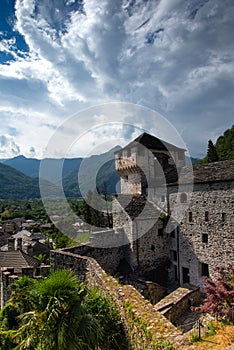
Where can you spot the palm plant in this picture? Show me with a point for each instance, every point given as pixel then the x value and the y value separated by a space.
pixel 60 313
pixel 59 320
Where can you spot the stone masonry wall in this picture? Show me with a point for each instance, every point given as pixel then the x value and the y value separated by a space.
pixel 152 246
pixel 131 184
pixel 108 258
pixel 178 302
pixel 207 231
pixel 121 219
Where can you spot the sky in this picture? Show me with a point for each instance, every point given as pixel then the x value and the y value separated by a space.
pixel 60 57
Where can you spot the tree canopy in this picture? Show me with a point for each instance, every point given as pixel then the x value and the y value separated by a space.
pixel 220 295
pixel 223 149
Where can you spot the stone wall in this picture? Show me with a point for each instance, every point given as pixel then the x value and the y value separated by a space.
pixel 206 231
pixel 108 258
pixel 131 183
pixel 178 302
pixel 121 220
pixel 108 238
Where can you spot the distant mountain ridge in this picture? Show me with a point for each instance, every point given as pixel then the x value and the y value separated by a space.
pixel 19 176
pixel 31 166
pixel 16 185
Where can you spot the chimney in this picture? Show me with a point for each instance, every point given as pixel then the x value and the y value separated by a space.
pixel 11 243
pixel 19 243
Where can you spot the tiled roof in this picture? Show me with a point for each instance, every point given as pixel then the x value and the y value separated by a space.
pixel 209 172
pixel 134 206
pixel 17 258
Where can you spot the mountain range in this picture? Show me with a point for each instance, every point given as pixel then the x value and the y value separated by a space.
pixel 19 176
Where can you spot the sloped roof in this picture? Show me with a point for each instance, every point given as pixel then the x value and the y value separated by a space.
pixel 28 236
pixel 17 258
pixel 209 172
pixel 152 142
pixel 134 206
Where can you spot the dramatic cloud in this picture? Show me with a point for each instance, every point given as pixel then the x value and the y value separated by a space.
pixel 8 147
pixel 173 56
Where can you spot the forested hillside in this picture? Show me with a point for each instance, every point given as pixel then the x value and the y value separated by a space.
pixel 16 185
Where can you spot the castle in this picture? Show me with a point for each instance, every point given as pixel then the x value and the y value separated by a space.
pixel 172 223
pixel 196 235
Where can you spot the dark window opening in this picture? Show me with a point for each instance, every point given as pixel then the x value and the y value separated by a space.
pixel 204 238
pixel 183 198
pixel 206 216
pixel 175 273
pixel 128 152
pixel 160 232
pixel 152 247
pixel 185 275
pixel 204 269
pixel 172 234
pixel 190 216
pixel 163 198
pixel 224 217
pixel 174 255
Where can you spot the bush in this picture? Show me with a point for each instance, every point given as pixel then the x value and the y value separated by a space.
pixel 220 295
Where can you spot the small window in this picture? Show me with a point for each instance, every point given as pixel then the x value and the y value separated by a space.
pixel 205 270
pixel 190 216
pixel 204 238
pixel 206 216
pixel 163 198
pixel 183 198
pixel 175 273
pixel 160 232
pixel 128 152
pixel 174 255
pixel 224 217
pixel 172 234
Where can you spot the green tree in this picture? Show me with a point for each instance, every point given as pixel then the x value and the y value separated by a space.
pixel 59 321
pixel 225 145
pixel 93 210
pixel 223 148
pixel 212 155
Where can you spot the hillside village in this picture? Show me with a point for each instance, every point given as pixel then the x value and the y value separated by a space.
pixel 172 226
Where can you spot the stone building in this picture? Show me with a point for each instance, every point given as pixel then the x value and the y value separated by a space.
pixel 196 203
pixel 204 239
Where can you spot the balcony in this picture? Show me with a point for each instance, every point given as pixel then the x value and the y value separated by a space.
pixel 126 164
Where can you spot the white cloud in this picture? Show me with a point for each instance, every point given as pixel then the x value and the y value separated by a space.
pixel 8 147
pixel 170 55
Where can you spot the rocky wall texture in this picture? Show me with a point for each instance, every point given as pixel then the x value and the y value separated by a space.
pixel 109 258
pixel 206 231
